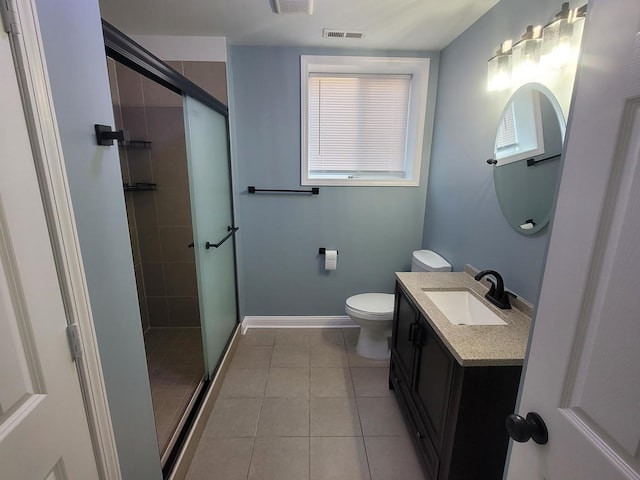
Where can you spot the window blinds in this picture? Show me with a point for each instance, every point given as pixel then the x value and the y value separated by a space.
pixel 357 124
pixel 507 136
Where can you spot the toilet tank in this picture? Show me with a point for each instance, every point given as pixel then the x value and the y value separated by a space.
pixel 428 261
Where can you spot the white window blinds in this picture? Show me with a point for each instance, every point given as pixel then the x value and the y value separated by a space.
pixel 357 124
pixel 507 136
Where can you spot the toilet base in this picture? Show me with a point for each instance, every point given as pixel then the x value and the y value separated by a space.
pixel 373 343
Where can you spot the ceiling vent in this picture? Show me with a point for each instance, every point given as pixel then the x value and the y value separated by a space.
pixel 292 6
pixel 328 33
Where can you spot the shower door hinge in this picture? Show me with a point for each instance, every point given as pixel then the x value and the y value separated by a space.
pixel 9 14
pixel 73 334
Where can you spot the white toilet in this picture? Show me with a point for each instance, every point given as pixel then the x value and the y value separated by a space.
pixel 374 311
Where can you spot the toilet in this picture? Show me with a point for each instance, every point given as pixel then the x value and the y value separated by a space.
pixel 374 311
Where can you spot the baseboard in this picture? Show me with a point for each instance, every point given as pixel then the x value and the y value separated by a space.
pixel 183 461
pixel 337 321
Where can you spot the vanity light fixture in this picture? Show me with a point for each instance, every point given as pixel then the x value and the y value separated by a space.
pixel 499 69
pixel 526 56
pixel 540 50
pixel 561 37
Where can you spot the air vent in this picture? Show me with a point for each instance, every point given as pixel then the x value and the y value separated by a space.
pixel 327 33
pixel 292 6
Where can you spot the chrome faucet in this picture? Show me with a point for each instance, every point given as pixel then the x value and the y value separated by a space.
pixel 496 293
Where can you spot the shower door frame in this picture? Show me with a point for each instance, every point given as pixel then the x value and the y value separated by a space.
pixel 124 50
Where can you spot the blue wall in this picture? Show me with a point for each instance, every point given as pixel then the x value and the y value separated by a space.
pixel 77 69
pixel 463 221
pixel 375 229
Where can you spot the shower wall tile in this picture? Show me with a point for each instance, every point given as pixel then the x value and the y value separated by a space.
pixel 145 209
pixel 124 163
pixel 184 311
pixel 158 312
pixel 176 65
pixel 166 127
pixel 175 244
pixel 149 239
pixel 180 279
pixel 173 207
pixel 129 85
pixel 144 315
pixel 211 76
pixel 139 162
pixel 117 116
pixel 113 81
pixel 128 203
pixel 135 247
pixel 154 279
pixel 157 95
pixel 134 120
pixel 170 168
pixel 139 281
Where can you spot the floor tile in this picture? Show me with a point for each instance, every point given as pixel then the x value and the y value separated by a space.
pixel 258 337
pixel 293 336
pixel 326 355
pixel 234 417
pixel 371 382
pixel 224 458
pixel 351 335
pixel 380 416
pixel 280 458
pixel 326 336
pixel 251 356
pixel 392 458
pixel 244 382
pixel 331 382
pixel 288 382
pixel 284 417
pixel 290 356
pixel 334 417
pixel 338 458
pixel 355 360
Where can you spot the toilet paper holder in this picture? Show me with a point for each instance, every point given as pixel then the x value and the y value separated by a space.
pixel 322 251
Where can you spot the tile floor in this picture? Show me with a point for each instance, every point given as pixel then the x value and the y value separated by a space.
pixel 176 367
pixel 301 404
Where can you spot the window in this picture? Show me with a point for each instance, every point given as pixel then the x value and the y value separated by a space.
pixel 520 133
pixel 362 120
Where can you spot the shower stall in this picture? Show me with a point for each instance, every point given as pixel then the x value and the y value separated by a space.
pixel 176 179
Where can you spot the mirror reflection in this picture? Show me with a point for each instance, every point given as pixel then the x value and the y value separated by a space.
pixel 527 155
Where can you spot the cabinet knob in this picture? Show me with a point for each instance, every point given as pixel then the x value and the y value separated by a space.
pixel 522 429
pixel 418 434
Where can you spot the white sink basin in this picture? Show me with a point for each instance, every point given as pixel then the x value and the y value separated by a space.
pixel 461 307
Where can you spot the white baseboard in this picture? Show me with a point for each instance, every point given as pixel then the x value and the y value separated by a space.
pixel 337 321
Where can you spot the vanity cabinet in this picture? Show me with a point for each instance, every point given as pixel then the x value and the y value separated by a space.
pixel 455 413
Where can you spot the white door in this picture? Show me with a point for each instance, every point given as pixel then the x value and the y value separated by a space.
pixel 43 427
pixel 583 369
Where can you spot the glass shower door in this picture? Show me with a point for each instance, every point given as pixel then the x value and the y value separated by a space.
pixel 213 227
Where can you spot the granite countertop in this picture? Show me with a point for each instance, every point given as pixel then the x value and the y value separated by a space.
pixel 471 345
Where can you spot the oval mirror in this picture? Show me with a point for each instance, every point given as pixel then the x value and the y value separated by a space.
pixel 527 154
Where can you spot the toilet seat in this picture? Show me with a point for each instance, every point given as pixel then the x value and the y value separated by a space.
pixel 371 306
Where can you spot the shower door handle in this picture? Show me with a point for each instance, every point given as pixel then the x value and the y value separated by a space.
pixel 231 230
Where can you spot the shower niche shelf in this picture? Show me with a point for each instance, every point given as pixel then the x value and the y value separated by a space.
pixel 135 143
pixel 139 187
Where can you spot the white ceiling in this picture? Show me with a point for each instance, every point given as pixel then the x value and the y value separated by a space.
pixel 389 24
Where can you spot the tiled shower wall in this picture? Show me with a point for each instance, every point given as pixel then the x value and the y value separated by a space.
pixel 160 220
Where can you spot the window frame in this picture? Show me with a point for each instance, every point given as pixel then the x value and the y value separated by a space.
pixel 418 68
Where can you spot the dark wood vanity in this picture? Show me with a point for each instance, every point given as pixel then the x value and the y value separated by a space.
pixel 454 413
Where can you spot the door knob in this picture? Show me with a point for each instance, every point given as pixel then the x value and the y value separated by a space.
pixel 522 429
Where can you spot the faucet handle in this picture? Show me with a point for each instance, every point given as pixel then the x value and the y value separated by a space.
pixel 492 288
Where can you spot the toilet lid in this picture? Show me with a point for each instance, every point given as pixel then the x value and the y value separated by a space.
pixel 379 305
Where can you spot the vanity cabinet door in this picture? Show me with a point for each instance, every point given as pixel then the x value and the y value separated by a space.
pixel 433 378
pixel 404 325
